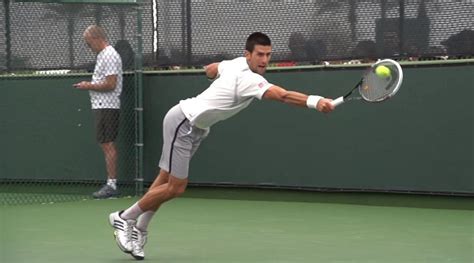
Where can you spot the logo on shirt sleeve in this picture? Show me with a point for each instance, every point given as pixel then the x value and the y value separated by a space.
pixel 262 84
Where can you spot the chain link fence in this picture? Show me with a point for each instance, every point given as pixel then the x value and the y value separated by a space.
pixel 196 32
pixel 45 36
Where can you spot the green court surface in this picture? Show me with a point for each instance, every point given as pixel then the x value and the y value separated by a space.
pixel 239 225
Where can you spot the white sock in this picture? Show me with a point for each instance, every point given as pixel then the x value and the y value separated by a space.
pixel 144 219
pixel 132 212
pixel 112 183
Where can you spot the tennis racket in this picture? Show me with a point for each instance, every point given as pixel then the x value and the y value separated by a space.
pixel 375 87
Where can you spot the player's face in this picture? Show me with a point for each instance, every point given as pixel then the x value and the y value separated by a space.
pixel 259 58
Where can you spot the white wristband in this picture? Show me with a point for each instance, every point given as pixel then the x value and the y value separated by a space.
pixel 312 101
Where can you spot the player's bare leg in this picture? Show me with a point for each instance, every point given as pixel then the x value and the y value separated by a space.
pixel 162 178
pixel 164 188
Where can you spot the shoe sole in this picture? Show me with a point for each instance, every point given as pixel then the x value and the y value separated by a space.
pixel 137 257
pixel 111 222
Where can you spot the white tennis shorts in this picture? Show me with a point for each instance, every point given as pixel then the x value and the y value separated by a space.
pixel 180 142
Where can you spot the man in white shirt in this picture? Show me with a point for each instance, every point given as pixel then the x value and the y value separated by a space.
pixel 237 83
pixel 104 91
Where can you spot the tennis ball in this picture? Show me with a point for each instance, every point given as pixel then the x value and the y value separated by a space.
pixel 382 71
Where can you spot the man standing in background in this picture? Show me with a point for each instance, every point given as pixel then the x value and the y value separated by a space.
pixel 104 91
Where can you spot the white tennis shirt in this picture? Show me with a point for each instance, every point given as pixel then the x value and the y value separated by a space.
pixel 108 63
pixel 233 90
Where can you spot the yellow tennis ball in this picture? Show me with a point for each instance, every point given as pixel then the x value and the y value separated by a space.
pixel 382 71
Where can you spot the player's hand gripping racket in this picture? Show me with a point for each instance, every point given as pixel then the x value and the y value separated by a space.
pixel 380 82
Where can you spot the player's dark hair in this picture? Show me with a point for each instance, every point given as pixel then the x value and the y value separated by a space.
pixel 257 38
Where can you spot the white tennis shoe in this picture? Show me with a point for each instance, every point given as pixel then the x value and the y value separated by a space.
pixel 139 239
pixel 123 231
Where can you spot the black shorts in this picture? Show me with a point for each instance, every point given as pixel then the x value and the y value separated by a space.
pixel 106 124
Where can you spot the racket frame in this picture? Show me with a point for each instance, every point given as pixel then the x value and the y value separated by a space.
pixel 338 101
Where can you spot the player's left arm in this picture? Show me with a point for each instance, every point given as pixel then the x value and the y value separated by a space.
pixel 212 70
pixel 298 99
pixel 108 84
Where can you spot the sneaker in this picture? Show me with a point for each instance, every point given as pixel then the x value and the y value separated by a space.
pixel 123 231
pixel 106 192
pixel 139 239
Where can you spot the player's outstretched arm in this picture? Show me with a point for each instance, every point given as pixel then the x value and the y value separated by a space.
pixel 299 99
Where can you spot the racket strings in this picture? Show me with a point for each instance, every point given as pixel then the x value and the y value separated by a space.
pixel 376 88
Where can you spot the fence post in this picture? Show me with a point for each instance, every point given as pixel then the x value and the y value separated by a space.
pixel 8 58
pixel 139 104
pixel 401 36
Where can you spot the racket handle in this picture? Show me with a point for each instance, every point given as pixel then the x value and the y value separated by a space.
pixel 337 101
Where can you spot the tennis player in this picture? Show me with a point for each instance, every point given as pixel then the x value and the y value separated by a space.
pixel 236 84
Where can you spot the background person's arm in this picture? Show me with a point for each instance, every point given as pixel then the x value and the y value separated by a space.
pixel 108 84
